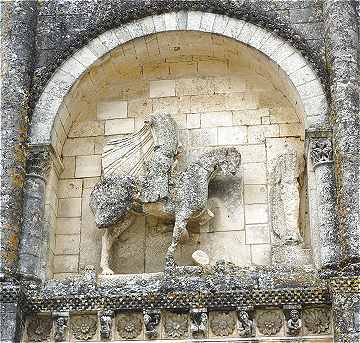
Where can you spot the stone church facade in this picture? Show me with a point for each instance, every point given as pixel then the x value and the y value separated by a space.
pixel 180 171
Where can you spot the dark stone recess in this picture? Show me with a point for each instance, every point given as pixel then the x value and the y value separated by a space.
pixel 66 26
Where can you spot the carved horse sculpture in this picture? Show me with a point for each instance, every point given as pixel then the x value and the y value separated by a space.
pixel 125 192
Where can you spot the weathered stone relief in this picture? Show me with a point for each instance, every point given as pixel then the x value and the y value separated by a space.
pixel 269 322
pixel 285 198
pixel 39 328
pixel 105 318
pixel 245 325
pixel 151 322
pixel 199 322
pixel 222 323
pixel 84 327
pixel 61 326
pixel 184 198
pixel 317 320
pixel 321 151
pixel 176 325
pixel 129 325
pixel 293 319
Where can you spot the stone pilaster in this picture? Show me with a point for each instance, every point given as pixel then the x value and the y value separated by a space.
pixel 321 155
pixel 346 308
pixel 18 21
pixel 342 60
pixel 32 235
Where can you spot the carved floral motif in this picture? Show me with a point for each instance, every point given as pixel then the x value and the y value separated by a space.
pixel 129 325
pixel 317 320
pixel 39 329
pixel 176 325
pixel 222 323
pixel 84 327
pixel 269 323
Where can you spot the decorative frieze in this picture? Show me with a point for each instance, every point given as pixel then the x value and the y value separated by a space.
pixel 176 325
pixel 151 322
pixel 129 325
pixel 84 327
pixel 39 329
pixel 222 323
pixel 269 322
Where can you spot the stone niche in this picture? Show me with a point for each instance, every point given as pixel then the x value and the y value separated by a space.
pixel 221 93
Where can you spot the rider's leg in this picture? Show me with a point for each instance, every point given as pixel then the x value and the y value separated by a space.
pixel 179 229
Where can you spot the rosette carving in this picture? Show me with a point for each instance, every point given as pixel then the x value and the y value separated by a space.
pixel 84 327
pixel 269 323
pixel 317 320
pixel 176 325
pixel 129 325
pixel 222 323
pixel 39 329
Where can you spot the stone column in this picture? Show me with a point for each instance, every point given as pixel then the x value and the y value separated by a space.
pixel 342 41
pixel 18 22
pixel 328 237
pixel 31 243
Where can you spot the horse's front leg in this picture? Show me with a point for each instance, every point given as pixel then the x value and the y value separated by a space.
pixel 178 233
pixel 106 244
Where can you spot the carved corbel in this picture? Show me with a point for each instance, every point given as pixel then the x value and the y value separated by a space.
pixel 151 321
pixel 61 320
pixel 321 151
pixel 245 321
pixel 199 322
pixel 293 319
pixel 105 319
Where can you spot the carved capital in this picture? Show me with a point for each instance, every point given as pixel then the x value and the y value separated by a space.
pixel 39 162
pixel 321 151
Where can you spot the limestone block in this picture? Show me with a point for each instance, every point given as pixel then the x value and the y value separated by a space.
pixel 180 120
pixel 212 68
pixel 128 253
pixel 172 105
pixel 195 86
pixel 256 214
pixel 229 84
pixel 309 89
pixel 140 107
pixel 303 75
pixel 73 67
pixel 220 22
pixel 69 167
pixel 96 47
pixel 193 120
pixel 233 27
pixel 154 72
pixel 258 134
pixel 87 129
pixel 99 144
pixel 134 29
pixel 183 69
pixel 89 183
pixel 194 20
pixel 112 109
pixel 68 226
pixel 170 21
pixel 109 40
pixel 181 20
pixel 295 129
pixel 255 194
pixel 88 166
pixel 66 263
pixel 69 188
pixel 315 106
pixel 207 103
pixel 159 22
pixel 271 43
pixel 247 32
pixel 280 115
pixel 119 126
pixel 233 135
pixel 162 88
pixel 265 120
pixel 90 238
pixel 85 56
pixel 229 246
pixel 257 234
pixel 261 254
pixel 239 101
pixel 292 63
pixel 70 207
pixel 78 146
pixel 67 244
pixel 207 22
pixel 252 153
pixel 258 37
pixel 282 53
pixel 215 119
pixel 203 137
pixel 254 173
pixel 147 25
pixel 250 117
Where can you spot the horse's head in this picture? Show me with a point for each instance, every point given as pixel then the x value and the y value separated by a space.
pixel 230 161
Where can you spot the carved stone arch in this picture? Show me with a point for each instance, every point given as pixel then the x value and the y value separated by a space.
pixel 308 93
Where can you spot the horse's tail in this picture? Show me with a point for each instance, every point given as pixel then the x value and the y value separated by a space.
pixel 111 199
